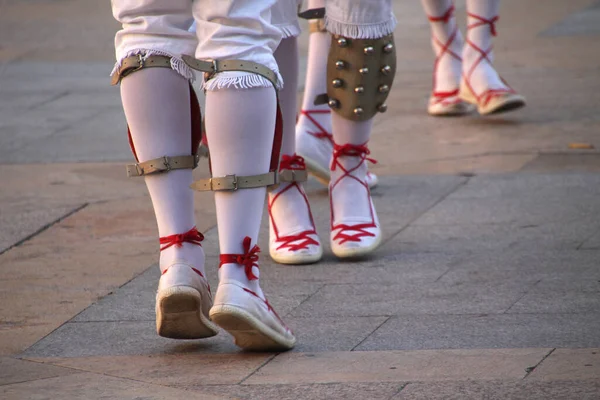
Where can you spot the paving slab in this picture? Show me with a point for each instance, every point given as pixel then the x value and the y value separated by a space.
pixel 415 332
pixel 397 366
pixel 95 387
pixel 184 370
pixel 330 391
pixel 398 299
pixel 331 333
pixel 15 371
pixel 569 364
pixel 520 390
pixel 121 338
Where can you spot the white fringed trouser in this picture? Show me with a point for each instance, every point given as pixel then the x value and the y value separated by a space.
pixel 359 19
pixel 225 29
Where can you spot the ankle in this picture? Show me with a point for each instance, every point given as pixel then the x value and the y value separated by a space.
pixel 188 253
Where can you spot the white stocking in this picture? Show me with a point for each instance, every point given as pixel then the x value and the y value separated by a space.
pixel 239 125
pixel 350 201
pixel 156 102
pixel 289 210
pixel 482 75
pixel 319 121
pixel 447 44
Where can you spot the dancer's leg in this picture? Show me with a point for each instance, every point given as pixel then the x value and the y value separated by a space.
pixel 156 102
pixel 447 45
pixel 292 235
pixel 240 121
pixel 314 141
pixel 481 83
pixel 366 37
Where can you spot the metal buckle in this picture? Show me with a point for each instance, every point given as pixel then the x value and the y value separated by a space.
pixel 234 181
pixel 166 163
pixel 140 61
pixel 139 170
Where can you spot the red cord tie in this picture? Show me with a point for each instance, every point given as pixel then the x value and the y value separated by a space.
pixel 352 150
pixel 249 259
pixel 294 162
pixel 322 134
pixel 444 18
pixel 268 307
pixel 483 21
pixel 356 237
pixel 192 236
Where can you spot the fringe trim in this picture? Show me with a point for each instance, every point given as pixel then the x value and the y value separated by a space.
pixel 239 80
pixel 177 63
pixel 361 31
pixel 289 30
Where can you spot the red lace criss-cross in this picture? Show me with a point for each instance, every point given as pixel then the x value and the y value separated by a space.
pixel 488 94
pixel 249 259
pixel 442 97
pixel 192 236
pixel 350 150
pixel 322 132
pixel 301 240
pixel 268 307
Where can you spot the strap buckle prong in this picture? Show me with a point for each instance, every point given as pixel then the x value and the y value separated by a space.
pixel 166 163
pixel 141 61
pixel 233 181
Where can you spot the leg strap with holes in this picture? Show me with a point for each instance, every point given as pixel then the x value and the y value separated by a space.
pixel 235 182
pixel 163 164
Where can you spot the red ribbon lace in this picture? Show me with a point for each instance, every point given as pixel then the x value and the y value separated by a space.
pixel 268 307
pixel 488 94
pixel 322 132
pixel 351 150
pixel 441 97
pixel 191 236
pixel 294 162
pixel 249 259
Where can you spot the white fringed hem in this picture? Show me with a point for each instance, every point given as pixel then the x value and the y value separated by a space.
pixel 289 30
pixel 239 80
pixel 177 63
pixel 360 31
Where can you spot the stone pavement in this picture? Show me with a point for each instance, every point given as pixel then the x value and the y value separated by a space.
pixel 487 285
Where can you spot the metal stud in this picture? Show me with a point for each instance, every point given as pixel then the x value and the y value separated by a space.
pixel 363 71
pixel 386 70
pixel 358 111
pixel 342 42
pixel 340 64
pixel 359 89
pixel 337 83
pixel 369 50
pixel 382 108
pixel 384 89
pixel 388 48
pixel 333 103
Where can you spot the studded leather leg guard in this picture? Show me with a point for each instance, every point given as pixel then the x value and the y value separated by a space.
pixel 360 73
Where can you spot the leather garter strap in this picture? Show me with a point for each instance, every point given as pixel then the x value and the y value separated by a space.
pixel 135 63
pixel 161 165
pixel 210 68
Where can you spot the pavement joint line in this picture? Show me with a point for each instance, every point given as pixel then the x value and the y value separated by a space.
pixel 443 197
pixel 584 241
pixel 258 368
pixel 306 299
pixel 523 295
pixel 400 389
pixel 371 333
pixel 59 95
pixel 45 227
pixel 531 369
